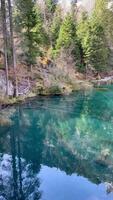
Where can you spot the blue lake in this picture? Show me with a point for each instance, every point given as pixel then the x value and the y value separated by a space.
pixel 58 148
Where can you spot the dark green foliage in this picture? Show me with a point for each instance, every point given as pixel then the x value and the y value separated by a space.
pixel 68 39
pixel 55 26
pixel 96 48
pixel 93 42
pixel 87 42
pixel 51 6
pixel 67 33
pixel 30 26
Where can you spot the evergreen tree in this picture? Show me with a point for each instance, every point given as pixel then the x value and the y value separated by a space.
pixel 51 6
pixel 93 41
pixel 109 24
pixel 55 26
pixel 100 10
pixel 67 37
pixel 104 13
pixel 30 27
pixel 67 33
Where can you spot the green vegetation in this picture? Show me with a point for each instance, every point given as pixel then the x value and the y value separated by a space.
pixel 55 26
pixel 47 37
pixel 30 27
pixel 67 38
pixel 93 41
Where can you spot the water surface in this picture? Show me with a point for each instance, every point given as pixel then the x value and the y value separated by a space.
pixel 58 148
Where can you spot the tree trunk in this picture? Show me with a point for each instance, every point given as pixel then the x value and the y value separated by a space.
pixel 13 48
pixel 4 27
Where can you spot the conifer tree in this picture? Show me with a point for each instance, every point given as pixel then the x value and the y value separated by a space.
pixel 51 6
pixel 67 37
pixel 55 26
pixel 30 26
pixel 93 41
pixel 109 24
pixel 67 33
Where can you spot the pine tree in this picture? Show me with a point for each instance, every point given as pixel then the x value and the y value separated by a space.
pixel 104 13
pixel 93 41
pixel 109 24
pixel 51 6
pixel 30 26
pixel 100 10
pixel 68 39
pixel 55 26
pixel 67 33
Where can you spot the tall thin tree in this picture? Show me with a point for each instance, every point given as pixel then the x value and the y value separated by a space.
pixel 13 48
pixel 4 27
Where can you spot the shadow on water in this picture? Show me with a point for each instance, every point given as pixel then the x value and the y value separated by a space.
pixel 72 133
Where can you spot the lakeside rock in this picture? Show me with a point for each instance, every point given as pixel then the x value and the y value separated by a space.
pixel 3 84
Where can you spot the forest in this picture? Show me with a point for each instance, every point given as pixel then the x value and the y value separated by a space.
pixel 56 100
pixel 47 49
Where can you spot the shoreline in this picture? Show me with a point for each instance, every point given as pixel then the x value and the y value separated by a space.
pixel 83 85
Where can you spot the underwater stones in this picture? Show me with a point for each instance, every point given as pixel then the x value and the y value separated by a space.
pixel 105 153
pixel 101 162
pixel 102 159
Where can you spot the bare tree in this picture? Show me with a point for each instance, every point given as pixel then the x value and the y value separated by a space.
pixel 4 27
pixel 12 48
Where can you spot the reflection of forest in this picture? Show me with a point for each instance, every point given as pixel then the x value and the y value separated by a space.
pixel 17 182
pixel 71 133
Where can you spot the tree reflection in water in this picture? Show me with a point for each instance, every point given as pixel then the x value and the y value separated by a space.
pixel 72 133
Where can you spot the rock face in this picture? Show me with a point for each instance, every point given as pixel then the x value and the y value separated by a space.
pixel 23 87
pixel 3 84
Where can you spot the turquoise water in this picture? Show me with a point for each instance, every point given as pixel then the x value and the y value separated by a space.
pixel 58 148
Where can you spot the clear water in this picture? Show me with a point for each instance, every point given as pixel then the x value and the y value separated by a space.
pixel 58 148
